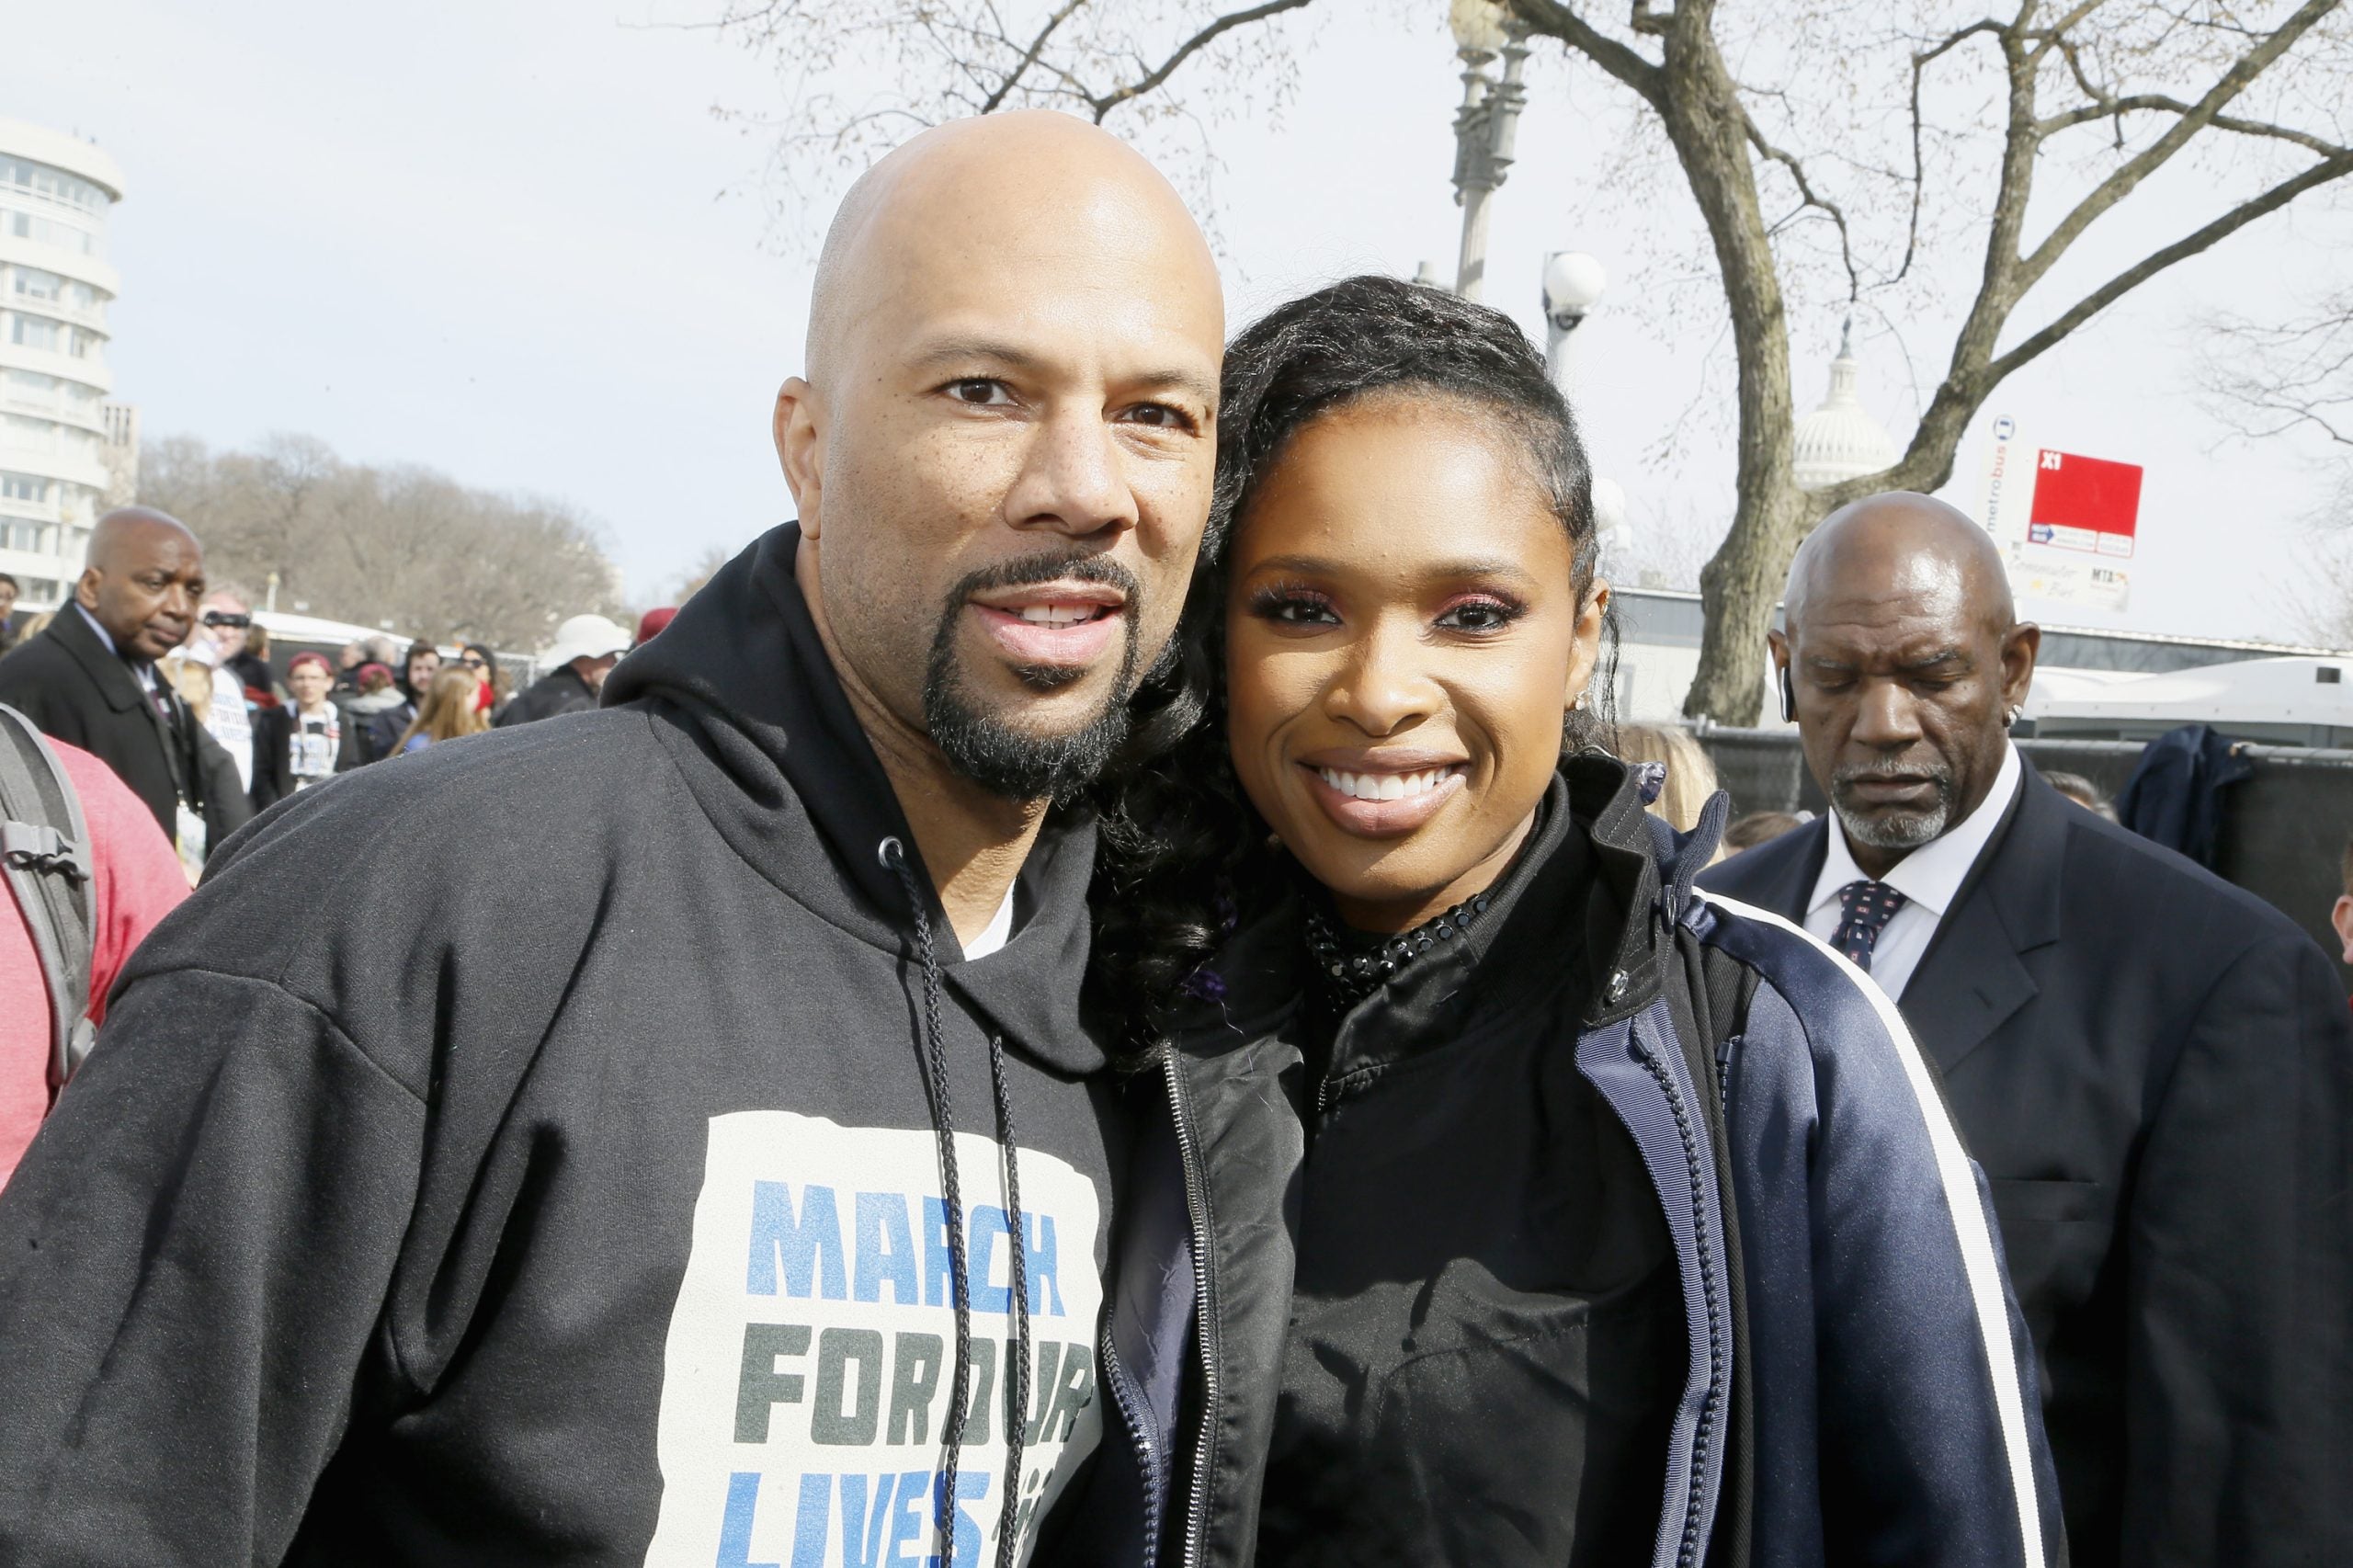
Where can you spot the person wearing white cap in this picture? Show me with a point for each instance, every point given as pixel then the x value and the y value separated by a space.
pixel 585 647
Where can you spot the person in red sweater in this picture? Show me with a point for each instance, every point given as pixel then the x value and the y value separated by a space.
pixel 137 881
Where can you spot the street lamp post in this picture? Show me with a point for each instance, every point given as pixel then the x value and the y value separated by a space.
pixel 1485 125
pixel 1573 286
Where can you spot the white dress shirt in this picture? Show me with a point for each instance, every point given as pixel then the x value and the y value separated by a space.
pixel 1929 879
pixel 145 675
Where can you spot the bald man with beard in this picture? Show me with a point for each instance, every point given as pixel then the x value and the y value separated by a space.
pixel 669 1133
pixel 2151 1066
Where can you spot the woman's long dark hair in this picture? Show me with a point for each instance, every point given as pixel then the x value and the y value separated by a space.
pixel 1184 855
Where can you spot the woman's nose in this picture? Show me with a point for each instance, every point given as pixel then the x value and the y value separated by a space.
pixel 1385 685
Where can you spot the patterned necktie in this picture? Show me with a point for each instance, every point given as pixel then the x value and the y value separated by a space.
pixel 1865 908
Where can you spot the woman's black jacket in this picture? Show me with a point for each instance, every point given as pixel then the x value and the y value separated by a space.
pixel 1858 1386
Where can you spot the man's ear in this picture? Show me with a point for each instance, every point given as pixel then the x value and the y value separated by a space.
pixel 801 450
pixel 86 589
pixel 1585 654
pixel 1777 646
pixel 2342 918
pixel 2021 647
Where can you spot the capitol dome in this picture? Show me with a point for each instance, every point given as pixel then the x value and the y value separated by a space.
pixel 1840 439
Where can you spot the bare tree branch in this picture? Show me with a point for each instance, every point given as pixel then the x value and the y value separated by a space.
pixel 2124 180
pixel 995 100
pixel 2148 266
pixel 1809 199
pixel 2159 103
pixel 1190 47
pixel 1553 19
pixel 1921 61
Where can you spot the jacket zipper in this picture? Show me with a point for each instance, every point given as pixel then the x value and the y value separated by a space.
pixel 1197 1211
pixel 1689 1550
pixel 1131 1410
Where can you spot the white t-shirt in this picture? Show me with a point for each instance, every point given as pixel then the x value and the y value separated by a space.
pixel 995 935
pixel 230 723
pixel 314 746
pixel 1929 879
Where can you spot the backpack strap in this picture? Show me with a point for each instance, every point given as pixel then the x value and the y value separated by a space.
pixel 45 857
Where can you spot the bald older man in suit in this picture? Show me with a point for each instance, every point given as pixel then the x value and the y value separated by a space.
pixel 2151 1066
pixel 92 680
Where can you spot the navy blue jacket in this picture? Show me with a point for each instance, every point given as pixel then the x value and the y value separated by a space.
pixel 2156 1071
pixel 1860 1386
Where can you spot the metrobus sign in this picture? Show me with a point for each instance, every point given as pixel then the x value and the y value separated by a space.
pixel 2067 524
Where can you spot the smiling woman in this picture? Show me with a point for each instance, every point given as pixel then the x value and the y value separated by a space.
pixel 1483 1203
pixel 1408 626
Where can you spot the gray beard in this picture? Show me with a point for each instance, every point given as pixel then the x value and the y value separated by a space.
pixel 1907 832
pixel 1903 830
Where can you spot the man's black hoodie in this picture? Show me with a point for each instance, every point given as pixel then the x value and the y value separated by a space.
pixel 525 1152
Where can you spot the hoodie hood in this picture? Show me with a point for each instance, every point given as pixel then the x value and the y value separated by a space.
pixel 778 760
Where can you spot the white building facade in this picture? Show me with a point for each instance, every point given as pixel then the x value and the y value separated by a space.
pixel 55 287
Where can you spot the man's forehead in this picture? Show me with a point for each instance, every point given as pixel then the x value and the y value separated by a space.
pixel 1922 614
pixel 1080 242
pixel 1038 301
pixel 157 546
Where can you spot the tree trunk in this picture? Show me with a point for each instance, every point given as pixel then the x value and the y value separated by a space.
pixel 1739 588
pixel 1708 128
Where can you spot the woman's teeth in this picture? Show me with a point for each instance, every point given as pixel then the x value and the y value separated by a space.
pixel 1383 786
pixel 1058 615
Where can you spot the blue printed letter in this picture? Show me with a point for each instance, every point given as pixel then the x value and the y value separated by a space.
pixel 809 1522
pixel 885 1250
pixel 906 1520
pixel 736 1528
pixel 987 1225
pixel 862 1531
pixel 969 1488
pixel 939 1268
pixel 1043 1283
pixel 810 1246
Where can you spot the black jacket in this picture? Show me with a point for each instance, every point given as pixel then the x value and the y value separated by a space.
pixel 2175 796
pixel 1777 1315
pixel 525 1155
pixel 74 687
pixel 385 727
pixel 2156 1071
pixel 561 690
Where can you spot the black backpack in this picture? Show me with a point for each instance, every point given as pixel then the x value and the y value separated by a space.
pixel 45 852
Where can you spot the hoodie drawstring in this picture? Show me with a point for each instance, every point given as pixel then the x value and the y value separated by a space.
pixel 933 1059
pixel 1017 1426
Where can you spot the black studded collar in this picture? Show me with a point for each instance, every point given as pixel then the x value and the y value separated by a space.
pixel 1352 965
pixel 1520 945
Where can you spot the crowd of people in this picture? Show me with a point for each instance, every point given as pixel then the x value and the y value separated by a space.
pixel 1112 993
pixel 276 729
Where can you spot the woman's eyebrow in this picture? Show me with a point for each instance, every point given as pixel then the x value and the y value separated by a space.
pixel 1295 564
pixel 1465 569
pixel 1481 566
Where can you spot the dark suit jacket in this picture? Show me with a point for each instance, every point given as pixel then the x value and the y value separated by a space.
pixel 561 690
pixel 2155 1072
pixel 70 684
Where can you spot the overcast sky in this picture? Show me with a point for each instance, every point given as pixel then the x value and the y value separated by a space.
pixel 509 239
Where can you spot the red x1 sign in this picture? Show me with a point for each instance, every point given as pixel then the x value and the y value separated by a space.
pixel 2087 503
